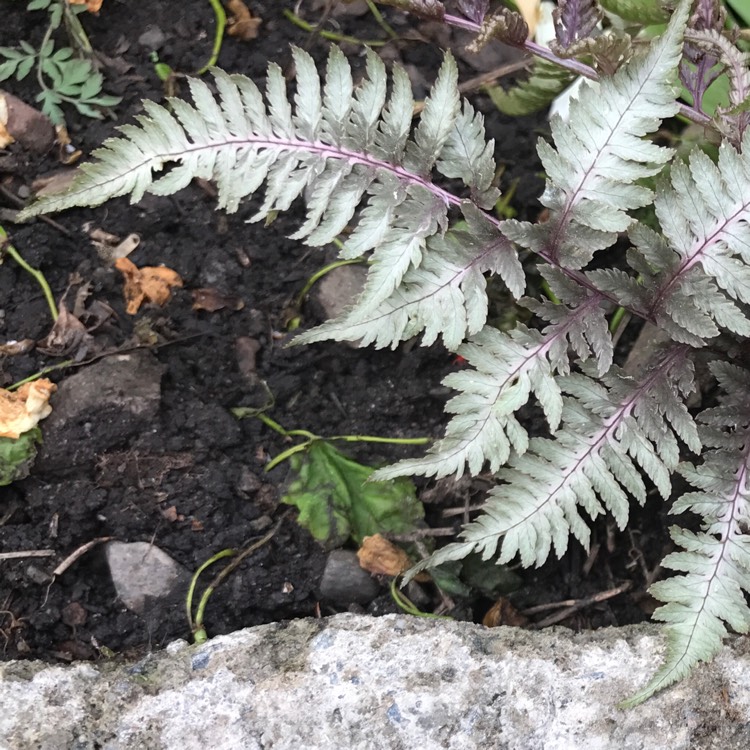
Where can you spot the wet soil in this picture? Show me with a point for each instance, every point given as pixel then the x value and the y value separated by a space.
pixel 187 475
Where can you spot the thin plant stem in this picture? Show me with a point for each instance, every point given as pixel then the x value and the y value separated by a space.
pixel 409 607
pixel 331 36
pixel 221 22
pixel 40 374
pixel 7 247
pixel 376 439
pixel 196 625
pixel 75 30
pixel 378 16
pixel 199 631
pixel 311 437
pixel 319 274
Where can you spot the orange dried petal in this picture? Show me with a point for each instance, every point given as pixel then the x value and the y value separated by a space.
pixel 21 410
pixel 147 284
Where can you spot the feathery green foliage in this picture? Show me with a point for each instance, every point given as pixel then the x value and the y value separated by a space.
pixel 352 152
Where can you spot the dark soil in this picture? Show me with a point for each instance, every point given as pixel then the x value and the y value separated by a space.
pixel 190 478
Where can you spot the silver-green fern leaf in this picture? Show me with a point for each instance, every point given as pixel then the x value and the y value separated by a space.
pixel 600 155
pixel 339 146
pixel 715 561
pixel 612 428
pixel 507 368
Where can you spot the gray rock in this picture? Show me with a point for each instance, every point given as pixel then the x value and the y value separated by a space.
pixel 121 393
pixel 394 682
pixel 339 289
pixel 152 38
pixel 344 582
pixel 142 572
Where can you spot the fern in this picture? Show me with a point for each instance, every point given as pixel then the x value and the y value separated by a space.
pixel 340 146
pixel 609 427
pixel 353 154
pixel 716 561
pixel 641 12
pixel 545 82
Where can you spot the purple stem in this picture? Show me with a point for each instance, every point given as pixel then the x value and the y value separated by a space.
pixel 575 66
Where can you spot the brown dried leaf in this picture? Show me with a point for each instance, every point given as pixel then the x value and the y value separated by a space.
pixel 52 184
pixel 21 410
pixel 21 122
pixel 147 284
pixel 67 337
pixel 505 25
pixel 211 300
pixel 247 349
pixel 241 22
pixel 14 348
pixel 383 558
pixel 92 6
pixel 502 612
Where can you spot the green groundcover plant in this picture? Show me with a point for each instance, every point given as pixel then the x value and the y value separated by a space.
pixel 359 160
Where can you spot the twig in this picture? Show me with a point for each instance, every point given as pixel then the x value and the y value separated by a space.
pixel 71 558
pixel 80 552
pixel 27 553
pixel 196 625
pixel 331 36
pixel 448 512
pixel 485 79
pixel 573 605
pixel 412 536
pixel 13 198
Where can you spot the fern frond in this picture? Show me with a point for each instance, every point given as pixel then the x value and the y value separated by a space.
pixel 338 144
pixel 575 20
pixel 609 431
pixel 640 12
pixel 705 219
pixel 691 311
pixel 507 368
pixel 545 82
pixel 446 295
pixel 715 561
pixel 600 153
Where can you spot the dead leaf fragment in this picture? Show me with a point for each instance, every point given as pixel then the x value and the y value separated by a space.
pixel 14 348
pixel 67 337
pixel 211 300
pixel 383 558
pixel 54 183
pixel 147 284
pixel 110 246
pixel 502 612
pixel 21 410
pixel 92 6
pixel 241 23
pixel 21 122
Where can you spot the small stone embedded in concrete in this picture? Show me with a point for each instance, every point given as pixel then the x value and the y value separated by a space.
pixel 142 572
pixel 344 582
